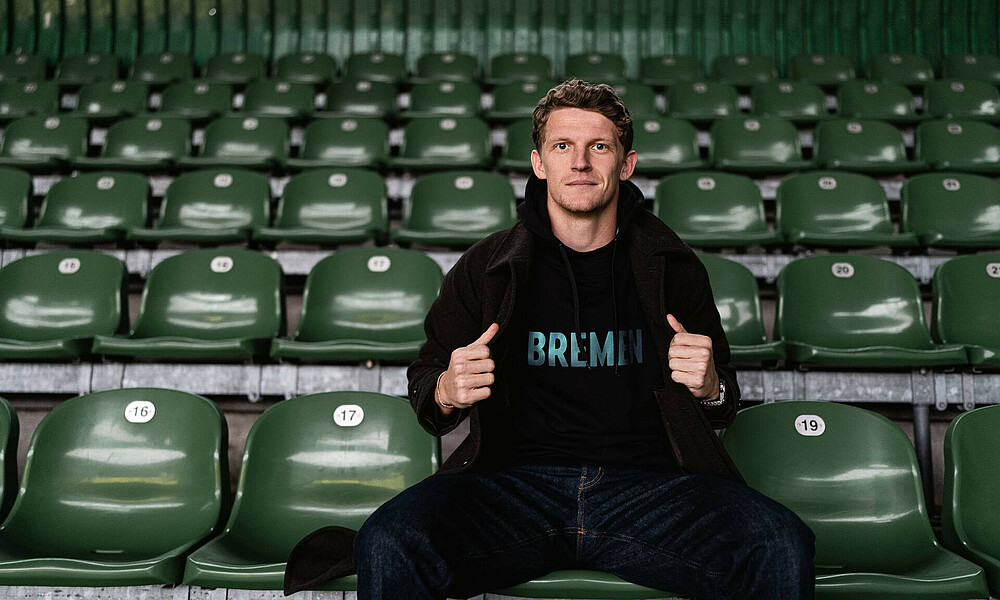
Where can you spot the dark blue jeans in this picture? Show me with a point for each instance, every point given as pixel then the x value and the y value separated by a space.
pixel 463 534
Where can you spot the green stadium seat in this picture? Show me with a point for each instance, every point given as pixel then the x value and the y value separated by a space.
pixel 516 155
pixel 756 145
pixel 290 101
pixel 575 583
pixel 55 303
pixel 235 68
pixel 210 206
pixel 23 67
pixel 664 145
pixel 801 103
pixel 711 209
pixel 825 70
pixel 969 99
pixel 443 98
pixel 88 209
pixel 878 100
pixel 359 98
pixel 952 210
pixel 971 146
pixel 911 70
pixel 516 100
pixel 385 67
pixel 142 143
pixel 666 71
pixel 702 101
pixel 309 462
pixel 40 142
pixel 639 98
pixel 447 66
pixel 107 101
pixel 982 67
pixel 306 67
pixel 9 432
pixel 162 68
pixel 139 475
pixel 343 142
pixel 737 298
pixel 330 206
pixel 851 475
pixel 456 208
pixel 596 67
pixel 744 70
pixel 197 100
pixel 26 98
pixel 242 141
pixel 353 307
pixel 15 193
pixel 519 66
pixel 965 292
pixel 215 303
pixel 836 209
pixel 80 69
pixel 968 518
pixel 444 143
pixel 863 146
pixel 860 311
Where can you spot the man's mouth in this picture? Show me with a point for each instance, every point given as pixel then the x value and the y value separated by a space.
pixel 582 182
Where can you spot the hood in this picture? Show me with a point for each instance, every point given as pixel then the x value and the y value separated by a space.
pixel 534 212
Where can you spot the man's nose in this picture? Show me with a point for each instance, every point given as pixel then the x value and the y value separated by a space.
pixel 581 162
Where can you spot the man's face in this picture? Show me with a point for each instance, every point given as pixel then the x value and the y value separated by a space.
pixel 581 160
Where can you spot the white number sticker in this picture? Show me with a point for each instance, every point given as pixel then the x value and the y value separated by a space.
pixel 52 122
pixel 349 125
pixel 448 59
pixel 154 125
pixel 21 59
pixel 818 59
pixel 308 59
pixel 593 59
pixel 379 263
pixel 239 59
pixel 223 180
pixel 742 61
pixel 785 88
pixel 871 88
pixel 520 59
pixel 951 184
pixel 993 270
pixel 93 59
pixel 68 266
pixel 337 180
pixel 118 87
pixel 348 415
pixel 105 183
pixel 970 60
pixel 700 88
pixel 282 88
pixel 448 124
pixel 378 59
pixel 827 183
pixel 842 270
pixel 30 88
pixel 706 184
pixel 854 127
pixel 166 59
pixel 363 86
pixel 221 264
pixel 250 124
pixel 201 88
pixel 447 87
pixel 529 88
pixel 810 425
pixel 954 128
pixel 139 411
pixel 669 61
pixel 651 126
pixel 464 183
pixel 957 86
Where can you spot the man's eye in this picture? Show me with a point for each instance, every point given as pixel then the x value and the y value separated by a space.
pixel 600 146
pixel 561 146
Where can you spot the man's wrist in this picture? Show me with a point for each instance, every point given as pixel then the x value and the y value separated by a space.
pixel 718 401
pixel 446 408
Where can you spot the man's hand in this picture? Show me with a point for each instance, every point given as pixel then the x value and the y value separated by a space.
pixel 469 374
pixel 691 362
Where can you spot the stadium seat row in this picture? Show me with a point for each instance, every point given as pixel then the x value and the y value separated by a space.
pixel 369 304
pixel 141 476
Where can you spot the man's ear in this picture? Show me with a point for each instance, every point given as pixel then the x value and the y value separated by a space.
pixel 536 164
pixel 629 165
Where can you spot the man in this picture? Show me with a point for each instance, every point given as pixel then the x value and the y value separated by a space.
pixel 584 347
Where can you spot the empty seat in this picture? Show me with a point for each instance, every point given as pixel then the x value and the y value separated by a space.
pixel 665 71
pixel 856 311
pixel 969 524
pixel 639 98
pixel 836 209
pixel 664 145
pixel 982 67
pixel 971 146
pixel 444 143
pixel 596 67
pixel 80 69
pixel 756 145
pixel 88 209
pixel 237 68
pixel 9 431
pixel 361 98
pixel 292 101
pixel 242 141
pixel 142 143
pixel 879 100
pixel 54 303
pixel 516 155
pixel 40 142
pixel 25 98
pixel 104 101
pixel 197 100
pixel 306 67
pixel 364 304
pixel 744 70
pixel 911 70
pixel 140 476
pixel 737 298
pixel 969 99
pixel 330 206
pixel 210 206
pixel 309 462
pixel 702 101
pixel 519 66
pixel 965 292
pixel 851 475
pixel 863 146
pixel 216 303
pixel 162 68
pixel 342 142
pixel 712 209
pixel 456 208
pixel 440 98
pixel 375 66
pixel 801 103
pixel 516 100
pixel 447 66
pixel 15 192
pixel 825 70
pixel 576 583
pixel 952 210
pixel 22 67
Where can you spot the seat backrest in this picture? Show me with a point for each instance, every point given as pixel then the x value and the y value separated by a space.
pixel 670 70
pixel 148 138
pixel 971 482
pixel 666 140
pixel 737 298
pixel 952 207
pixel 447 137
pixel 132 473
pixel 744 69
pixel 703 99
pixel 375 66
pixel 596 67
pixel 62 138
pixel 334 199
pixel 841 141
pixel 110 200
pixel 323 459
pixel 306 67
pixel 639 98
pixel 982 67
pixel 460 202
pixel 710 202
pixel 958 145
pixel 279 99
pixel 360 97
pixel 832 202
pixel 904 68
pixel 445 97
pixel 197 98
pixel 18 98
pixel 966 292
pixel 520 66
pixel 113 96
pixel 451 66
pixel 246 137
pixel 212 294
pixel 961 99
pixel 15 190
pixel 755 139
pixel 850 474
pixel 868 99
pixel 215 198
pixel 10 430
pixel 235 67
pixel 348 140
pixel 519 143
pixel 822 69
pixel 63 294
pixel 788 100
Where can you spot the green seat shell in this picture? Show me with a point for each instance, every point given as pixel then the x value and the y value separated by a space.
pixel 639 98
pixel 242 142
pixel 825 70
pixel 856 311
pixel 364 304
pixel 446 66
pixel 516 154
pixel 39 142
pixel 108 100
pixel 15 192
pixel 196 100
pixel 444 143
pixel 516 100
pixel 53 304
pixel 836 209
pixel 26 98
pixel 443 98
pixel 519 66
pixel 574 583
pixel 305 467
pixel 282 99
pixel 596 67
pixel 456 208
pixel 143 143
pixel 236 68
pixel 965 291
pixel 971 146
pixel 756 145
pixel 306 67
pixel 665 145
pixel 862 145
pixel 138 496
pixel 80 69
pixel 215 303
pixel 330 206
pixel 386 67
pixel 162 68
pixel 343 142
pixel 799 102
pixel 982 67
pixel 744 70
pixel 851 475
pixel 711 209
pixel 967 99
pixel 669 70
pixel 23 67
pixel 877 100
pixel 908 69
pixel 952 210
pixel 702 101
pixel 10 430
pixel 359 98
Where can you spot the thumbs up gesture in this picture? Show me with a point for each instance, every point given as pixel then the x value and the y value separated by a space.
pixel 469 375
pixel 691 361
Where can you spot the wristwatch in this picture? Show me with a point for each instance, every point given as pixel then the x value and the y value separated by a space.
pixel 720 400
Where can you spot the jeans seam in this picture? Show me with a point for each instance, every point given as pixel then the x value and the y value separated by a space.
pixel 627 538
pixel 521 542
pixel 592 482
